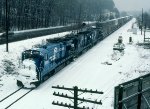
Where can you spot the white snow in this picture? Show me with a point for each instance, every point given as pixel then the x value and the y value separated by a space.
pixel 13 58
pixel 88 71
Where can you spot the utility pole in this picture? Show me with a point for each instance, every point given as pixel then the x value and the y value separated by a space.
pixel 144 31
pixel 140 94
pixel 145 25
pixel 75 97
pixel 6 25
pixel 142 22
pixel 75 90
pixel 120 96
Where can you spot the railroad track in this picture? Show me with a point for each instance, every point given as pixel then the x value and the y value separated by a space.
pixel 14 97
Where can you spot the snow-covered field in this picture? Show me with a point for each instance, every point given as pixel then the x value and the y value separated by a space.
pixel 89 71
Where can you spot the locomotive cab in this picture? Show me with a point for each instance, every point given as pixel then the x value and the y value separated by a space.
pixel 30 68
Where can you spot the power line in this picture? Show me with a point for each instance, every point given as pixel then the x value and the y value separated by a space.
pixel 75 97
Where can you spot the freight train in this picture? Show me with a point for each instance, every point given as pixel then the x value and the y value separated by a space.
pixel 40 63
pixel 14 36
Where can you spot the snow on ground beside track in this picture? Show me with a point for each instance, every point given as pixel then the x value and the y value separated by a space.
pixel 9 62
pixel 15 50
pixel 88 71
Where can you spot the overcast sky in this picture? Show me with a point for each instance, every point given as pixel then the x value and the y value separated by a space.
pixel 131 5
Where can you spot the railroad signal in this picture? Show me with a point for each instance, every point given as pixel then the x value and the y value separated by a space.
pixel 75 97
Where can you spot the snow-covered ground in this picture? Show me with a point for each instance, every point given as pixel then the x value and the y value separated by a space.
pixel 9 62
pixel 89 71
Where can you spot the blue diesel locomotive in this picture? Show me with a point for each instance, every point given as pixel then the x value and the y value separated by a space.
pixel 41 62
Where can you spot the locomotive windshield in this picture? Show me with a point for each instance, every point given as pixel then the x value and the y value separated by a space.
pixel 30 54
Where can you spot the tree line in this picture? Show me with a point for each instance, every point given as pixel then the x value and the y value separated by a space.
pixel 144 20
pixel 32 14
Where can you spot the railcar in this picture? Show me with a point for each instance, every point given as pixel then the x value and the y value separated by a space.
pixel 32 33
pixel 41 62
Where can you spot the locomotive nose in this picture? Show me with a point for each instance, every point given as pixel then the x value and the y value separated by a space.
pixel 27 74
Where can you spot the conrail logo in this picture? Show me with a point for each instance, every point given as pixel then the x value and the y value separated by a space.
pixel 58 49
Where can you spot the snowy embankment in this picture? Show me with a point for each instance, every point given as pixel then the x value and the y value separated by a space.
pixel 9 62
pixel 88 71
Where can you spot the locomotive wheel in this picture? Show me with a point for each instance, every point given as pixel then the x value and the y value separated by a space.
pixel 19 84
pixel 37 84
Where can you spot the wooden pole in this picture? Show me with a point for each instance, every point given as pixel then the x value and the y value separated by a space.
pixel 142 22
pixel 120 97
pixel 140 94
pixel 6 25
pixel 75 97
